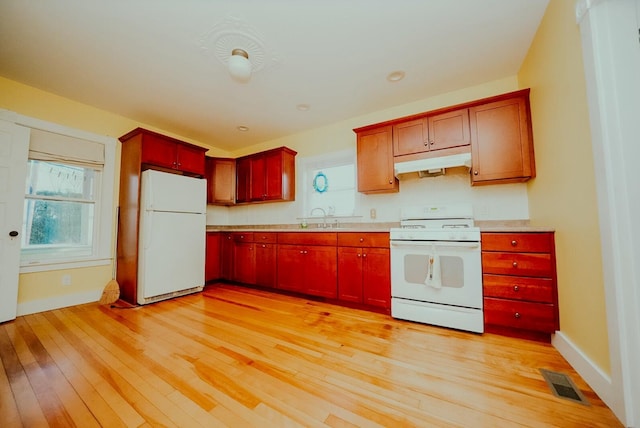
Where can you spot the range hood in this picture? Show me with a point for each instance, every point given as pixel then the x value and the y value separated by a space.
pixel 432 166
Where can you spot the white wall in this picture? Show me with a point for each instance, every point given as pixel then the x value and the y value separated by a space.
pixel 494 202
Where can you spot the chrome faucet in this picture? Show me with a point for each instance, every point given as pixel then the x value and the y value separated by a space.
pixel 324 216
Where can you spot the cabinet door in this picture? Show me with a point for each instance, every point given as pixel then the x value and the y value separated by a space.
pixel 449 130
pixel 291 268
pixel 410 137
pixel 212 263
pixel 376 277
pixel 226 256
pixel 244 266
pixel 243 182
pixel 221 181
pixel 273 163
pixel 265 265
pixel 350 274
pixel 159 151
pixel 190 159
pixel 257 186
pixel 375 161
pixel 501 143
pixel 321 277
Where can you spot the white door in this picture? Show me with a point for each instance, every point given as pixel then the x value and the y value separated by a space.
pixel 14 151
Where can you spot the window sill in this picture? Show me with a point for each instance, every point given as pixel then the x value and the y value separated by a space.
pixel 61 265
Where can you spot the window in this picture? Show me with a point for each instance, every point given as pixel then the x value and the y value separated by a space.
pixel 59 211
pixel 68 205
pixel 330 184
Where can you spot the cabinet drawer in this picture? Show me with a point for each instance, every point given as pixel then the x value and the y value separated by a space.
pixel 517 264
pixel 308 238
pixel 243 237
pixel 517 242
pixel 520 288
pixel 517 314
pixel 363 239
pixel 265 237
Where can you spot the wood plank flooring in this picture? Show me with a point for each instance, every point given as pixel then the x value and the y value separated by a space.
pixel 240 357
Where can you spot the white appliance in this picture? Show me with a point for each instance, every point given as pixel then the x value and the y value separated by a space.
pixel 172 236
pixel 436 269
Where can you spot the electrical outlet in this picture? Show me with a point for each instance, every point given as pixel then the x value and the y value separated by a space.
pixel 372 213
pixel 66 279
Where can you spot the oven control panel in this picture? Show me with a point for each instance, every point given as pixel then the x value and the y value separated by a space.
pixel 471 234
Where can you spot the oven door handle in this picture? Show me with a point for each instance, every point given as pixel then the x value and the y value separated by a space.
pixel 422 244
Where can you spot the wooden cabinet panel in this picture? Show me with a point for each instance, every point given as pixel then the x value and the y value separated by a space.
pixel 363 239
pixel 364 273
pixel 518 264
pixel 291 268
pixel 308 269
pixel 321 268
pixel 159 151
pixel 190 159
pixel 243 179
pixel 519 314
pixel 350 274
pixel 221 181
pixel 265 237
pixel 376 277
pixel 517 242
pixel 448 130
pixel 519 285
pixel 226 256
pixel 212 264
pixel 308 238
pixel 265 264
pixel 518 288
pixel 167 152
pixel 502 143
pixel 410 137
pixel 244 269
pixel 375 161
pixel 266 176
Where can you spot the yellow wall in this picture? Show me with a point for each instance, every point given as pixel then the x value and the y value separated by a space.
pixel 35 103
pixel 564 194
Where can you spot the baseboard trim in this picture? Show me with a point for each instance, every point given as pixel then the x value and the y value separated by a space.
pixel 599 381
pixel 41 305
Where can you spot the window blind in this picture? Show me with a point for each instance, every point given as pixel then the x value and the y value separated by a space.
pixel 49 146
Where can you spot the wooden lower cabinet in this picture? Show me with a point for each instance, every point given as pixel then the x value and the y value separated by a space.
pixel 226 255
pixel 244 269
pixel 308 269
pixel 212 257
pixel 266 256
pixel 364 271
pixel 519 283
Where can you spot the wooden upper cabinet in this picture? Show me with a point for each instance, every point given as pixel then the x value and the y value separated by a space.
pixel 221 181
pixel 448 130
pixel 267 176
pixel 375 161
pixel 166 152
pixel 433 132
pixel 502 141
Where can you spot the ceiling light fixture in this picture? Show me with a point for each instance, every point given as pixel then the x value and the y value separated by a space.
pixel 395 76
pixel 303 107
pixel 239 65
pixel 242 128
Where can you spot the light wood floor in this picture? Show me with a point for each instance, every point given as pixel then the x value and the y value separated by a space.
pixel 238 357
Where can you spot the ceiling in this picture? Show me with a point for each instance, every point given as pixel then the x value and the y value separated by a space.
pixel 156 61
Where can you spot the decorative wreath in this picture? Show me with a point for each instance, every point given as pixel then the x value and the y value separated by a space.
pixel 320 182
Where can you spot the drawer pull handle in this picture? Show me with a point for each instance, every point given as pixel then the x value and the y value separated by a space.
pixel 516 288
pixel 514 243
pixel 515 264
pixel 361 239
pixel 516 315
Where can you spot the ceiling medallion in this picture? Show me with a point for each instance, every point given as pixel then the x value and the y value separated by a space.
pixel 233 33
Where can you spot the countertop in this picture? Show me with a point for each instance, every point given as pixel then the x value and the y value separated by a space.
pixel 484 225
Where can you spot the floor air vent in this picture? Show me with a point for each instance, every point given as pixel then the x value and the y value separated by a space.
pixel 562 386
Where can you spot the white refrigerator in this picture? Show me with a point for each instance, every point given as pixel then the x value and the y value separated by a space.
pixel 171 252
